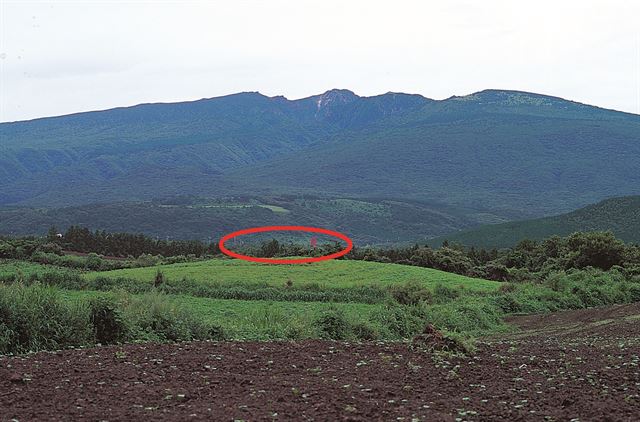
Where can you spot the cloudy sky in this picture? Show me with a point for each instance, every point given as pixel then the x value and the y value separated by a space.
pixel 64 57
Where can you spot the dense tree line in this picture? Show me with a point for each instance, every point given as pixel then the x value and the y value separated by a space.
pixel 527 260
pixel 81 239
pixel 273 248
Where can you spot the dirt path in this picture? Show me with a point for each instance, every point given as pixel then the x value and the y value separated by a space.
pixel 565 366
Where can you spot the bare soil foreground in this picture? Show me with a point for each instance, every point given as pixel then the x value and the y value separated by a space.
pixel 579 365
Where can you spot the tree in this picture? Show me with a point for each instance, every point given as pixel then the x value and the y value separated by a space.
pixel 595 249
pixel 52 234
pixel 270 249
pixel 159 280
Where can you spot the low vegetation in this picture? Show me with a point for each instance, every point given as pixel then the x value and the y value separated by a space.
pixel 47 307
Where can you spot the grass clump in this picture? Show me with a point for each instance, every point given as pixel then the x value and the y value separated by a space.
pixel 109 324
pixel 36 318
pixel 411 293
pixel 333 324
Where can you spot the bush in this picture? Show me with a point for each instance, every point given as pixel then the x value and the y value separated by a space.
pixel 93 262
pixel 470 316
pixel 364 331
pixel 443 293
pixel 333 324
pixel 154 317
pixel 507 288
pixel 109 325
pixel 216 332
pixel 159 279
pixel 496 272
pixel 399 322
pixel 600 250
pixel 51 248
pixel 410 293
pixel 63 279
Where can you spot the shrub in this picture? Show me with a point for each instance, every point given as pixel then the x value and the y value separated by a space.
pixel 63 279
pixel 333 324
pixel 109 325
pixel 600 250
pixel 507 288
pixel 51 248
pixel 364 331
pixel 471 316
pixel 398 321
pixel 508 303
pixel 154 317
pixel 216 332
pixel 159 279
pixel 496 272
pixel 410 293
pixel 443 293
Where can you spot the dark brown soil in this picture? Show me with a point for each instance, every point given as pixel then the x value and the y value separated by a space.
pixel 577 365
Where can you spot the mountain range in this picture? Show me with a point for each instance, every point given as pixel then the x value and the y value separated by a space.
pixel 488 157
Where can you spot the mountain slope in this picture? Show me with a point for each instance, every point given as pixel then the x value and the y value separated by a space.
pixel 509 153
pixel 153 150
pixel 619 215
pixel 514 153
pixel 365 221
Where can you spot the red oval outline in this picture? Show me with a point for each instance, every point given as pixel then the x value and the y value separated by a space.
pixel 263 229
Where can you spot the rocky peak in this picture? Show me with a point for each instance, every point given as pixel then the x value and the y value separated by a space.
pixel 335 97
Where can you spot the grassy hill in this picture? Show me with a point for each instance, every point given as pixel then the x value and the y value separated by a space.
pixel 618 215
pixel 511 153
pixel 328 274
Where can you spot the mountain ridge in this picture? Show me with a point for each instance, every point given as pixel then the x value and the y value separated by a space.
pixel 332 90
pixel 514 153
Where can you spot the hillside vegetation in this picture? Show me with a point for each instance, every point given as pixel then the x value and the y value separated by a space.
pixel 366 221
pixel 621 216
pixel 493 150
pixel 49 300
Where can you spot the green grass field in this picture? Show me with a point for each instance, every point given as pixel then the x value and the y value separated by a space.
pixel 259 320
pixel 11 266
pixel 236 300
pixel 328 274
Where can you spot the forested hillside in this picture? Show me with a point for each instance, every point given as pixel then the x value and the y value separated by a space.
pixel 155 150
pixel 517 154
pixel 621 216
pixel 367 221
pixel 509 153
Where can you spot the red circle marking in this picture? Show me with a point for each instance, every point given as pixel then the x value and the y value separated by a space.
pixel 252 230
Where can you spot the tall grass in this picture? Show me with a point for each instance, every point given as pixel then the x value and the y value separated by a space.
pixel 241 291
pixel 35 314
pixel 38 317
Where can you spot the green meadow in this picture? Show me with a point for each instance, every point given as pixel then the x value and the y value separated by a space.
pixel 47 308
pixel 327 274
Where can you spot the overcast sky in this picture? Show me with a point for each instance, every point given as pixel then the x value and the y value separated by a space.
pixel 64 57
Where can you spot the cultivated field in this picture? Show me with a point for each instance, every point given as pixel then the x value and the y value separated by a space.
pixel 577 365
